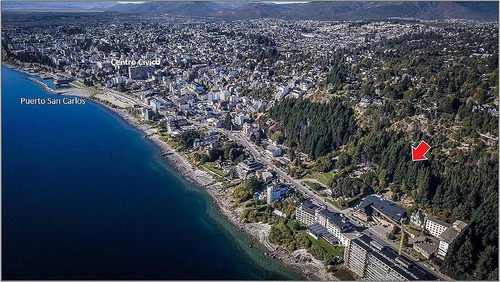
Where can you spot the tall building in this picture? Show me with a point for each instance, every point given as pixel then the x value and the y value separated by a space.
pixel 370 260
pixel 141 72
pixel 336 224
pixel 448 236
pixel 147 114
pixel 276 192
pixel 239 119
pixel 306 212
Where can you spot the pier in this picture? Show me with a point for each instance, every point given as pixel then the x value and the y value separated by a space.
pixel 45 86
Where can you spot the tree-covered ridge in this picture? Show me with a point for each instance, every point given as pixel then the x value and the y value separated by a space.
pixel 473 255
pixel 314 128
pixel 441 87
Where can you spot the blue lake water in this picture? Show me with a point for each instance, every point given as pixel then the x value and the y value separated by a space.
pixel 85 196
pixel 50 82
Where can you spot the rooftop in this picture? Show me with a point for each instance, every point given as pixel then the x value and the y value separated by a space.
pixel 390 257
pixel 336 218
pixel 308 206
pixel 449 235
pixel 438 221
pixel 390 209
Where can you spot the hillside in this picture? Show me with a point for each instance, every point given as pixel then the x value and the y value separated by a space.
pixel 483 11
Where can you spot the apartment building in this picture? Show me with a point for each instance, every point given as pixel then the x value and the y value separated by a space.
pixel 435 227
pixel 276 192
pixel 370 260
pixel 335 224
pixel 306 212
pixel 247 166
pixel 448 236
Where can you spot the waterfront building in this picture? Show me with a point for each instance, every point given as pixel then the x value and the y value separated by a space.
pixel 276 192
pixel 306 212
pixel 147 114
pixel 247 166
pixel 370 260
pixel 336 223
pixel 317 231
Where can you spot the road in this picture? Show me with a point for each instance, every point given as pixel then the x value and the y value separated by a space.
pixel 265 158
pixel 258 153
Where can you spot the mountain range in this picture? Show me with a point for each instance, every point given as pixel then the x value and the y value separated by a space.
pixel 324 10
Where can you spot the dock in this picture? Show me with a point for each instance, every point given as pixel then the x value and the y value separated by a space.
pixel 45 87
pixel 167 154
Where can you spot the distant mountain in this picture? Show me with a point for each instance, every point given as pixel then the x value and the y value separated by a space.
pixel 482 11
pixel 57 6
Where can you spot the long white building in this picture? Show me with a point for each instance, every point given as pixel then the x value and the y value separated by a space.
pixel 372 261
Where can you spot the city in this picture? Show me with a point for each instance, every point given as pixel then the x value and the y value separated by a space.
pixel 301 130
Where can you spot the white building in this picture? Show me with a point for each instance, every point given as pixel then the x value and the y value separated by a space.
pixel 435 227
pixel 274 151
pixel 239 119
pixel 336 223
pixel 417 219
pixel 147 114
pixel 372 261
pixel 276 192
pixel 281 92
pixel 306 212
pixel 448 236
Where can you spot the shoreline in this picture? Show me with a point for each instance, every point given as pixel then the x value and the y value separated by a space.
pixel 258 233
pixel 299 260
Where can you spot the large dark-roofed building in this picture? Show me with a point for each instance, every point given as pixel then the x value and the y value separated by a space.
pixel 319 232
pixel 390 209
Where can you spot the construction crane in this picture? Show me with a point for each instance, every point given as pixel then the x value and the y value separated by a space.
pixel 400 225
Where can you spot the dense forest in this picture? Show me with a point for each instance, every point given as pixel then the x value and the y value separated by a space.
pixel 314 128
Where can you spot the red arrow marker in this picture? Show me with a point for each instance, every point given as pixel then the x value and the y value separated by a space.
pixel 418 154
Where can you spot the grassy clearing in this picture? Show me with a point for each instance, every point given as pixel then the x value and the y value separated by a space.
pixel 77 84
pixel 323 177
pixel 314 187
pixel 353 199
pixel 335 203
pixel 210 166
pixel 320 243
